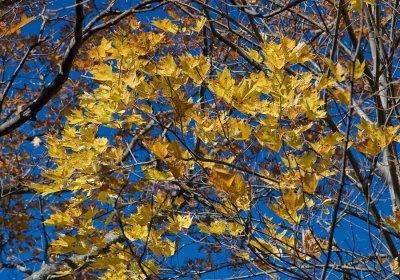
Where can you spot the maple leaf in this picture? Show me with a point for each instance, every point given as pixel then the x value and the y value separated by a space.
pixel 166 25
pixel 374 138
pixel 215 227
pixel 269 137
pixel 179 222
pixel 265 246
pixel 288 206
pixel 102 72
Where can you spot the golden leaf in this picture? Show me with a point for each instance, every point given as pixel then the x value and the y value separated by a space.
pixel 166 25
pixel 102 72
pixel 200 22
pixel 179 222
pixel 15 28
pixel 270 138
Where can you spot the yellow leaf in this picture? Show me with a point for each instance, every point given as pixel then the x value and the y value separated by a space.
pixel 309 202
pixel 142 217
pixel 373 138
pixel 301 54
pixel 312 104
pixel 274 56
pixel 359 69
pixel 145 269
pixel 179 222
pixel 237 129
pixel 135 119
pixel 102 72
pixel 324 82
pixel 267 247
pixel 75 117
pixel 154 174
pixel 223 86
pixel 200 24
pixel 337 70
pixel 166 25
pixel 169 248
pixel 181 105
pixel 243 255
pixel 234 228
pixel 176 151
pixel 102 50
pixel 292 200
pixel 176 167
pixel 289 161
pixel 306 161
pixel 59 219
pixel 223 178
pixel 270 138
pixel 246 96
pixel 217 227
pixel 159 148
pixel 342 95
pixel 167 67
pixel 287 46
pixel 136 232
pixel 394 265
pixel 134 24
pixel 310 182
pixel 288 205
pixel 195 67
pixel 65 270
pixel 100 145
pixel 294 140
pixel 356 5
pixel 63 244
pixel 254 55
pixel 44 189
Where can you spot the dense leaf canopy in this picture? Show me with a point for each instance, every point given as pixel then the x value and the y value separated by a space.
pixel 194 139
